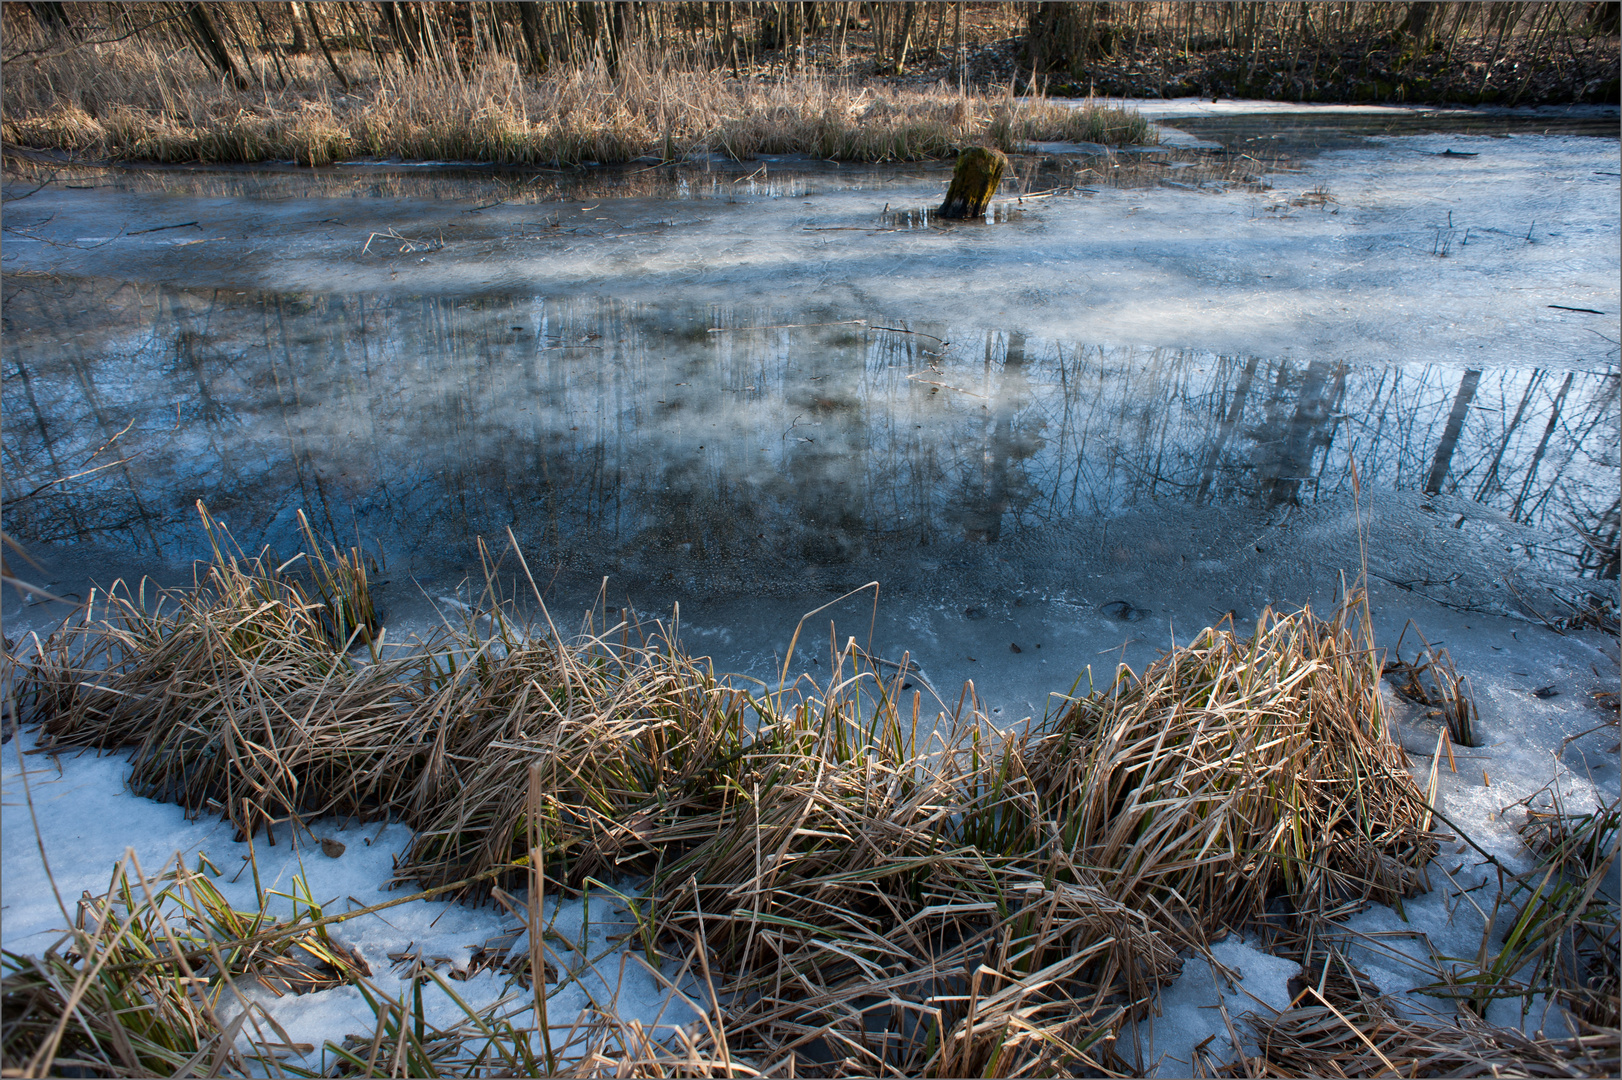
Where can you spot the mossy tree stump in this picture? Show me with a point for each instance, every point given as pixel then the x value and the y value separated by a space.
pixel 974 181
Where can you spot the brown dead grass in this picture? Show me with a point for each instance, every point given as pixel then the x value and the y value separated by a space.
pixel 1375 1038
pixel 237 695
pixel 861 888
pixel 138 100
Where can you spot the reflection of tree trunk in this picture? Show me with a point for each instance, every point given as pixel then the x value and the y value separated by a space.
pixel 1450 434
pixel 186 353
pixel 1601 552
pixel 1002 437
pixel 1575 441
pixel 1291 463
pixel 830 467
pixel 297 449
pixel 1484 491
pixel 1543 445
pixel 39 421
pixel 88 385
pixel 57 470
pixel 995 485
pixel 1337 412
pixel 1235 411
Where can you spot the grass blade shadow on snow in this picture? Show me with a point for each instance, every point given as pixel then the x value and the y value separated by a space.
pixel 1564 938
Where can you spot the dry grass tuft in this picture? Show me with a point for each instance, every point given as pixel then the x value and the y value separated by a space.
pixel 1447 692
pixel 1372 1038
pixel 238 695
pixel 1235 769
pixel 870 904
pixel 615 728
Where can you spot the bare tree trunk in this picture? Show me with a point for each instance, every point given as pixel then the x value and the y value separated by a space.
pixel 212 46
pixel 228 14
pixel 732 38
pixel 321 40
pixel 623 19
pixel 1417 25
pixel 957 47
pixel 1450 434
pixel 589 28
pixel 905 36
pixel 396 18
pixel 534 38
pixel 295 11
pixel 54 17
pixel 268 45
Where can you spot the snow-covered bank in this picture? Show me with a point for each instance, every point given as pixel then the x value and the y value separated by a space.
pixel 87 822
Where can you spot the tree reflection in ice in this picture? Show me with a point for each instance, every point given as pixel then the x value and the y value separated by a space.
pixel 624 438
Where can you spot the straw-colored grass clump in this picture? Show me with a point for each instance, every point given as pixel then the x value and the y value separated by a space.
pixel 1266 756
pixel 143 102
pixel 864 889
pixel 237 695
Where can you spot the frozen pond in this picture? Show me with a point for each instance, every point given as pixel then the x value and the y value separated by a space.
pixel 752 388
pixel 1132 405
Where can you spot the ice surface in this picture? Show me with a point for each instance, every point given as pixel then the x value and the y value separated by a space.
pixel 1233 271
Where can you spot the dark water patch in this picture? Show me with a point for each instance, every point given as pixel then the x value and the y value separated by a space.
pixel 735 449
pixel 1305 134
pixel 1044 167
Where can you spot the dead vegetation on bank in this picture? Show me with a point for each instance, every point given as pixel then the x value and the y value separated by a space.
pixel 174 90
pixel 865 886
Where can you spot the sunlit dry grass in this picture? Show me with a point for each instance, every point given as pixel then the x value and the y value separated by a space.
pixel 138 100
